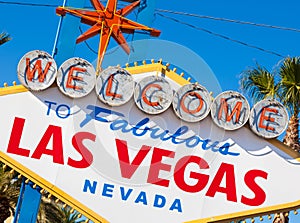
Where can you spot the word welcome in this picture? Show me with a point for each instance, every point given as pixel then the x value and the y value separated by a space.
pixel 114 86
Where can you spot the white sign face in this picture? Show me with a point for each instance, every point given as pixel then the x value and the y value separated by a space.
pixel 127 166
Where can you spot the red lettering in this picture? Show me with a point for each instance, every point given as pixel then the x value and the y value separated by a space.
pixel 157 165
pixel 179 171
pixel 127 168
pixel 185 109
pixel 260 195
pixel 37 67
pixel 144 96
pixel 109 87
pixel 268 118
pixel 56 152
pixel 15 138
pixel 87 157
pixel 236 110
pixel 230 188
pixel 72 78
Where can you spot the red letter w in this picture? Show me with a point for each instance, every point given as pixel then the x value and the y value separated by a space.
pixel 37 67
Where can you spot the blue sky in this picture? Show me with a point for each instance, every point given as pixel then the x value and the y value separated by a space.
pixel 35 28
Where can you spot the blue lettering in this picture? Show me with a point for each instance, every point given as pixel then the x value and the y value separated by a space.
pixel 141 198
pixel 225 150
pixel 159 201
pixel 95 111
pixel 120 124
pixel 193 141
pixel 160 135
pixel 179 132
pixel 108 190
pixel 206 146
pixel 65 115
pixel 124 195
pixel 138 127
pixel 88 185
pixel 176 206
pixel 49 106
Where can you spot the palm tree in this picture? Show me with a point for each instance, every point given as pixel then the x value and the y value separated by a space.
pixel 281 218
pixel 289 94
pixel 9 193
pixel 4 37
pixel 70 217
pixel 49 212
pixel 52 212
pixel 261 84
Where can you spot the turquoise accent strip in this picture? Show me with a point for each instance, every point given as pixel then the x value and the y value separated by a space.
pixel 30 202
pixel 68 33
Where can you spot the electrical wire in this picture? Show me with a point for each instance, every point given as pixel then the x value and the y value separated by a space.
pixel 220 35
pixel 175 12
pixel 41 5
pixel 94 51
pixel 229 20
pixel 187 24
pixel 27 4
pixel 86 43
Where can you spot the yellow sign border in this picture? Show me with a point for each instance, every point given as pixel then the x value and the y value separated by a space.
pixel 136 69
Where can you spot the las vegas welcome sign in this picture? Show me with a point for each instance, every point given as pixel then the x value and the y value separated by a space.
pixel 143 144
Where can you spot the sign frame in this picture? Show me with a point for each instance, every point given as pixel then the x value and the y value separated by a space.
pixel 91 215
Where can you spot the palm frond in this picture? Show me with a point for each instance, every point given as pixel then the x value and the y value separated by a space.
pixel 4 37
pixel 258 83
pixel 9 191
pixel 53 212
pixel 290 83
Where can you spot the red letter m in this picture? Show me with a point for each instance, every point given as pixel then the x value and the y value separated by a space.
pixel 236 110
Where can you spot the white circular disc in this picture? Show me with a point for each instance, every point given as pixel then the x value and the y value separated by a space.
pixel 230 110
pixel 153 95
pixel 192 102
pixel 114 86
pixel 37 70
pixel 76 77
pixel 268 119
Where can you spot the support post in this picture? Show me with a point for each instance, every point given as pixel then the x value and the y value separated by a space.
pixel 64 47
pixel 28 204
pixel 145 17
pixel 67 33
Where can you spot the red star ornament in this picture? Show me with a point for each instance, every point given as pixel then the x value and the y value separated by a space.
pixel 108 21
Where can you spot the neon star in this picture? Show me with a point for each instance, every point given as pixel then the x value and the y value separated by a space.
pixel 107 21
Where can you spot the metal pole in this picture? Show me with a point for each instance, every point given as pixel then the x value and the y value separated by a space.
pixel 58 31
pixel 146 17
pixel 30 204
pixel 64 47
pixel 19 201
pixel 68 31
